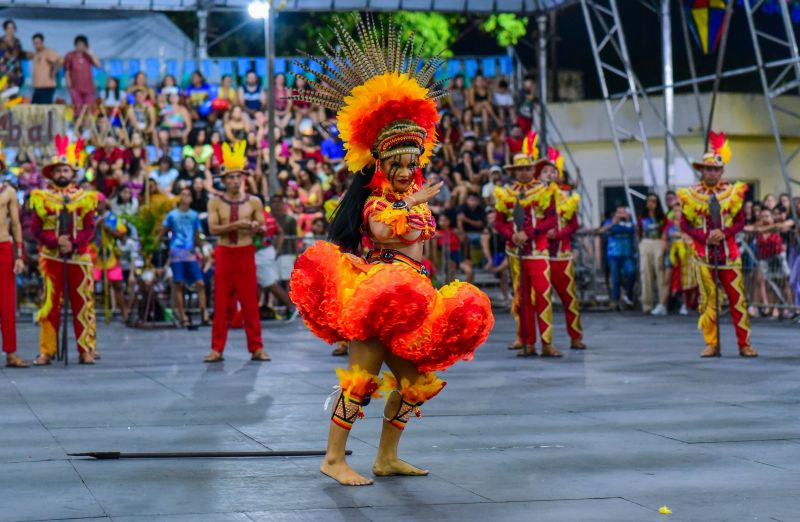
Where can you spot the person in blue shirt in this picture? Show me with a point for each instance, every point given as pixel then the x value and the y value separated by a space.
pixel 620 235
pixel 184 227
pixel 332 147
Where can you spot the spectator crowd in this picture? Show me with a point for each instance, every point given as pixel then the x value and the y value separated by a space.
pixel 150 145
pixel 653 254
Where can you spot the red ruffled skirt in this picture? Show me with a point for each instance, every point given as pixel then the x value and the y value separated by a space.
pixel 343 298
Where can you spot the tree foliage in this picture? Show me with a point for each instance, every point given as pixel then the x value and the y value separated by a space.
pixel 300 31
pixel 436 30
pixel 506 28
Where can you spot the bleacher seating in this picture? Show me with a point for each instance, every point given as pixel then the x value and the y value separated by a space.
pixel 214 68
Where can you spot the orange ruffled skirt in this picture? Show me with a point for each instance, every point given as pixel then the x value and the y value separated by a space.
pixel 343 298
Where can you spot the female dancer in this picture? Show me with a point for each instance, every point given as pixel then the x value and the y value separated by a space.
pixel 383 303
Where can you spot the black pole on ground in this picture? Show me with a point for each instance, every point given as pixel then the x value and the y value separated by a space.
pixel 117 455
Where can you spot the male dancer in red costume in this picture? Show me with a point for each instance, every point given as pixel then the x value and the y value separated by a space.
pixel 562 271
pixel 235 217
pixel 528 250
pixel 714 243
pixel 65 242
pixel 10 228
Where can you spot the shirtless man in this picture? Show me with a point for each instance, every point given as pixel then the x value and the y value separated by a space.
pixel 235 217
pixel 9 269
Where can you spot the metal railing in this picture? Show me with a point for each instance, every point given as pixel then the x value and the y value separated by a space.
pixel 772 282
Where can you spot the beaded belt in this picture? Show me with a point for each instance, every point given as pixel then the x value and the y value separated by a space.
pixel 389 256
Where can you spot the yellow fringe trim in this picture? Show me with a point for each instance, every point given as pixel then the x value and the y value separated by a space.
pixel 568 205
pixel 539 196
pixel 424 389
pixel 695 202
pixel 45 203
pixel 395 219
pixel 357 381
pixel 47 305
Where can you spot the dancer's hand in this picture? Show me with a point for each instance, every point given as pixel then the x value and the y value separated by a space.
pixel 716 236
pixel 519 238
pixel 426 193
pixel 64 244
pixel 244 224
pixel 19 266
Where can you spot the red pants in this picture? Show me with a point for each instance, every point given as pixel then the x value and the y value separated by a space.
pixel 235 280
pixel 80 286
pixel 730 279
pixel 562 273
pixel 532 282
pixel 8 298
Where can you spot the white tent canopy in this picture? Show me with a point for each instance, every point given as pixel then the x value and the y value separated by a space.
pixel 110 36
pixel 460 6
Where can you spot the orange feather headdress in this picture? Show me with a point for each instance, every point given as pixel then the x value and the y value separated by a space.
pixel 384 97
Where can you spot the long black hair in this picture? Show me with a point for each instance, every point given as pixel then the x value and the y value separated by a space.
pixel 659 211
pixel 345 229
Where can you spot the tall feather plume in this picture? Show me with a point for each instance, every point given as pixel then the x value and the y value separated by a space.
pixel 62 142
pixel 378 48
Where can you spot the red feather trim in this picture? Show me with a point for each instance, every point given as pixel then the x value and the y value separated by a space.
pixel 79 149
pixel 421 112
pixel 379 183
pixel 418 177
pixel 62 142
pixel 217 149
pixel 716 140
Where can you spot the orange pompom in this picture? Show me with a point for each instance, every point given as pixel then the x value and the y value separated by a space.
pixel 341 297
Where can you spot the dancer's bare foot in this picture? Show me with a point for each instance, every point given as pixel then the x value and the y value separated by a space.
pixel 15 361
pixel 260 355
pixel 548 350
pixel 42 360
pixel 214 357
pixel 392 467
pixel 342 473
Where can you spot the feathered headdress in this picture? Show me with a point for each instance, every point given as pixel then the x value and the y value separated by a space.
pixel 553 158
pixel 70 154
pixel 384 97
pixel 231 159
pixel 719 151
pixel 530 145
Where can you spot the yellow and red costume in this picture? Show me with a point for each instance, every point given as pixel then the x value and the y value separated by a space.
pixel 47 205
pixel 385 105
pixel 696 222
pixel 530 265
pixel 562 267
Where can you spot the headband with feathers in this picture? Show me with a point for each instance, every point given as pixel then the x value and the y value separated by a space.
pixel 383 95
pixel 231 159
